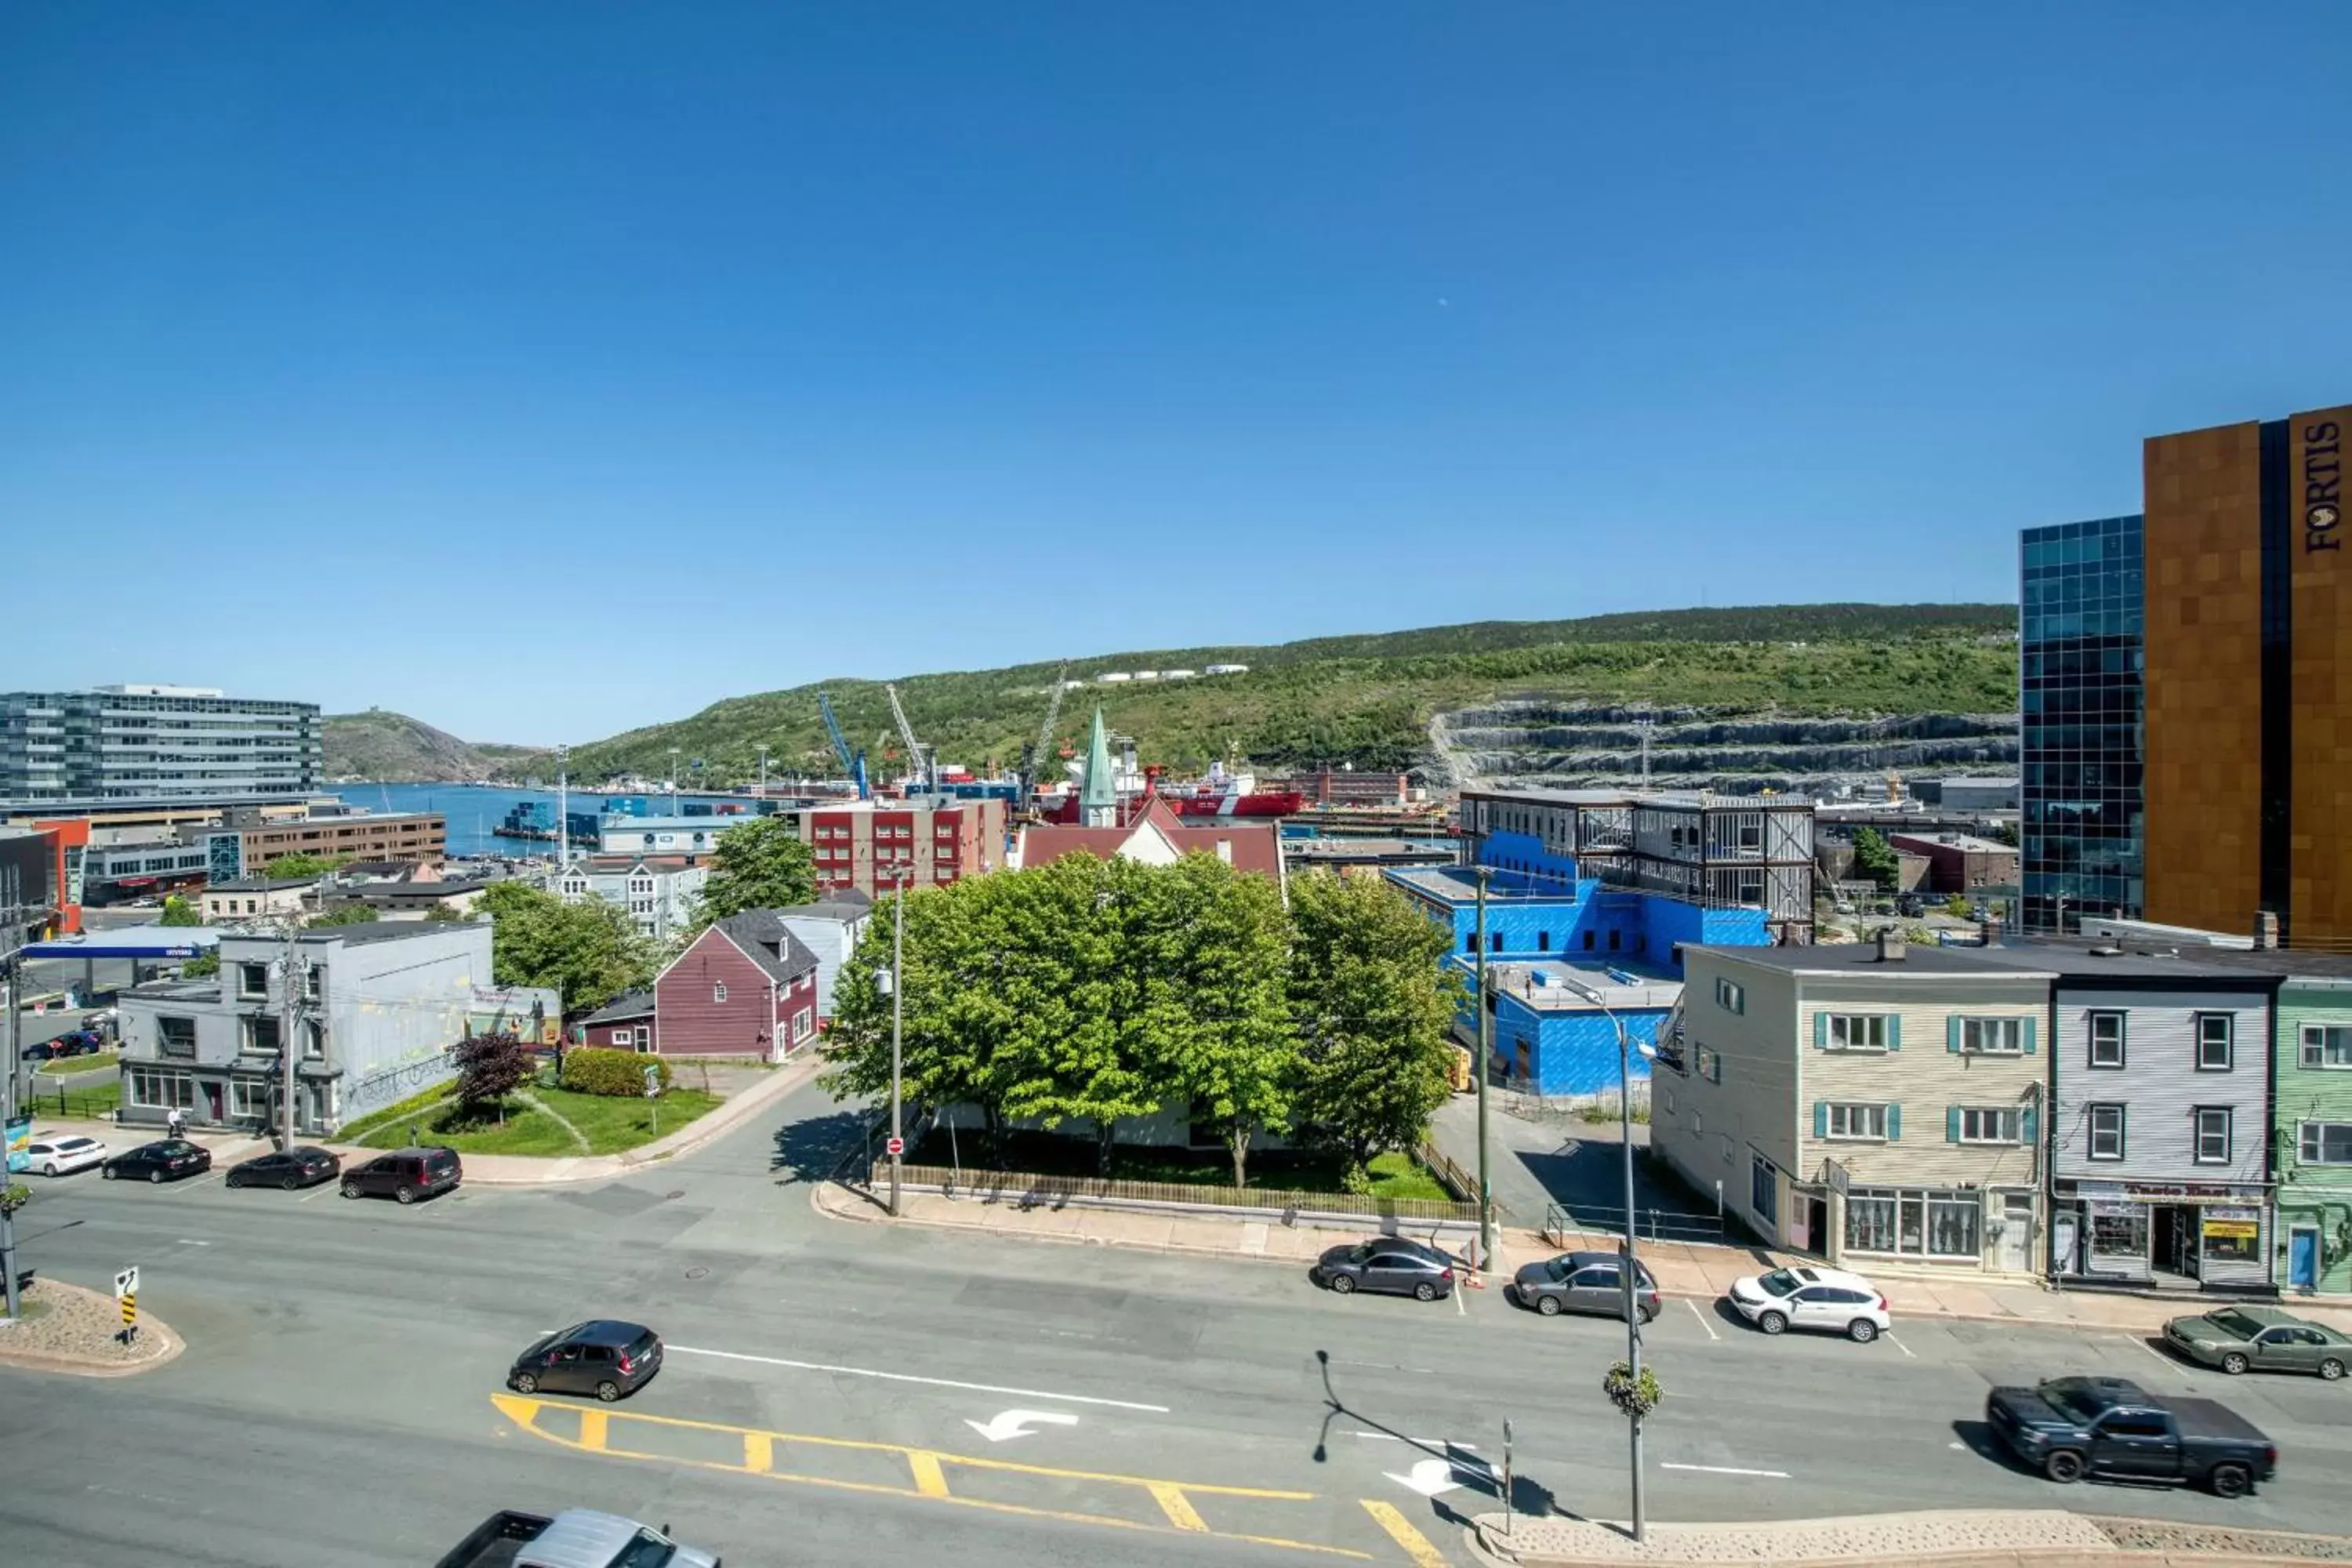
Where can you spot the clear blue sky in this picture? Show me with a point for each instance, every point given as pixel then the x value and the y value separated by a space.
pixel 545 369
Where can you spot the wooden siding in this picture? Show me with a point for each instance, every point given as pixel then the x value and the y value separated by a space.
pixel 693 1023
pixel 2310 1094
pixel 2159 1085
pixel 1708 1130
pixel 1926 1077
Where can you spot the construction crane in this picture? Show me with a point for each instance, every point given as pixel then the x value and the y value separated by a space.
pixel 852 763
pixel 918 768
pixel 1033 755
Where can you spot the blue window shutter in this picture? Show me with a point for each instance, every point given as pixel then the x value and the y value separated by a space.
pixel 1894 1031
pixel 1820 1119
pixel 1894 1124
pixel 1951 1124
pixel 2029 1036
pixel 1952 1034
pixel 1820 1031
pixel 2031 1125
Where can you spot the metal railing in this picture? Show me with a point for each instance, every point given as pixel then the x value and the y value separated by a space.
pixel 1034 1191
pixel 1565 1221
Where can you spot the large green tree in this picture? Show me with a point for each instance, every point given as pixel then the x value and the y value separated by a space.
pixel 588 951
pixel 757 865
pixel 179 911
pixel 299 864
pixel 1873 858
pixel 1372 1006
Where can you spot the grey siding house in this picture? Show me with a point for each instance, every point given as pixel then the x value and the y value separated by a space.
pixel 382 1005
pixel 2160 1156
pixel 830 929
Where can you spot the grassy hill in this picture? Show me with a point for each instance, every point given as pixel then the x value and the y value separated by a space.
pixel 1369 700
pixel 397 749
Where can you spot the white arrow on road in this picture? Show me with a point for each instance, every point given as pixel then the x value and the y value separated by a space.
pixel 1016 1423
pixel 1429 1478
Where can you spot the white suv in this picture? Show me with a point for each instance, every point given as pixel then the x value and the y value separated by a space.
pixel 1811 1298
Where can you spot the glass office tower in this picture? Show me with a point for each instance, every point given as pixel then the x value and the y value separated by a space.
pixel 2081 713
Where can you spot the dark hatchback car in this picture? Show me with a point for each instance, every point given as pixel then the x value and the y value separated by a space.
pixel 165 1160
pixel 1390 1264
pixel 604 1357
pixel 406 1174
pixel 302 1166
pixel 76 1043
pixel 1584 1282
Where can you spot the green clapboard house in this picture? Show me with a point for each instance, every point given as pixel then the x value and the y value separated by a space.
pixel 2312 1132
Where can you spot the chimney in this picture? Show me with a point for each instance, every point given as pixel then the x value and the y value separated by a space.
pixel 1890 946
pixel 2266 930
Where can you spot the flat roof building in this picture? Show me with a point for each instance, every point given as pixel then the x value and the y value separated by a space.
pixel 146 743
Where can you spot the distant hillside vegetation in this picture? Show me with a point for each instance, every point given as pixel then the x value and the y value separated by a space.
pixel 395 749
pixel 1367 700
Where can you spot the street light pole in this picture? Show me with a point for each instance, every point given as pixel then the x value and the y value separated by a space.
pixel 1485 1055
pixel 673 781
pixel 1629 1269
pixel 897 1026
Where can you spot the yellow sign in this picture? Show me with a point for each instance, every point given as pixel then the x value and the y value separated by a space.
pixel 2233 1229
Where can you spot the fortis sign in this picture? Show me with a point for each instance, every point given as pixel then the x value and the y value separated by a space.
pixel 2321 474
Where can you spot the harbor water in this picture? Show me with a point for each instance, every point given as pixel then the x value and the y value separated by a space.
pixel 474 809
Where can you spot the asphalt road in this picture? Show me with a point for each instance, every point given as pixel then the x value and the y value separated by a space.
pixel 340 1401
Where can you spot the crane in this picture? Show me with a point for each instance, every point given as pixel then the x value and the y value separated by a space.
pixel 1034 755
pixel 852 763
pixel 919 770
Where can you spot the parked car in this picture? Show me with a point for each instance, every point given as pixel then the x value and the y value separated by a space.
pixel 1811 1297
pixel 576 1538
pixel 72 1043
pixel 1387 1263
pixel 63 1157
pixel 604 1357
pixel 166 1158
pixel 407 1174
pixel 2260 1338
pixel 1583 1282
pixel 300 1166
pixel 2069 1427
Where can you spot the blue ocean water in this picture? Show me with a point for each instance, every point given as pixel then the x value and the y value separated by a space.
pixel 474 809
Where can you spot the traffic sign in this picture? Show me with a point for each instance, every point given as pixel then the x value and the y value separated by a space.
pixel 652 1083
pixel 127 1282
pixel 895 1147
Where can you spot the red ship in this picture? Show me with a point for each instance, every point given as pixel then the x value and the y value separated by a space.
pixel 1220 794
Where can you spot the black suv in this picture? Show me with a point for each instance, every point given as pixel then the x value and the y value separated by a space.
pixel 604 1357
pixel 407 1174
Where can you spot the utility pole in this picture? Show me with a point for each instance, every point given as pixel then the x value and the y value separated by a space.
pixel 897 1027
pixel 673 781
pixel 291 1009
pixel 13 965
pixel 1485 1055
pixel 763 773
pixel 563 815
pixel 1628 1269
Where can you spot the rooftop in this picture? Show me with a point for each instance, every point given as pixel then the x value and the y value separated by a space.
pixel 1966 842
pixel 1543 984
pixel 1861 957
pixel 262 885
pixel 1456 885
pixel 1543 794
pixel 627 1005
pixel 356 933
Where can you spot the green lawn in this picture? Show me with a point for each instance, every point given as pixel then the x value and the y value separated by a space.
pixel 608 1124
pixel 1395 1174
pixel 63 1067
pixel 92 1103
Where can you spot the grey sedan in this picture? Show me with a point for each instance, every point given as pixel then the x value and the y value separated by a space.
pixel 1584 1282
pixel 2260 1339
pixel 1390 1264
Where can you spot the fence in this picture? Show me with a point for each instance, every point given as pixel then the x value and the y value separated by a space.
pixel 1032 1191
pixel 1563 1221
pixel 80 1103
pixel 1450 1177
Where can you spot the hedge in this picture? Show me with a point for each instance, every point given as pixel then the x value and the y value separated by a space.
pixel 589 1070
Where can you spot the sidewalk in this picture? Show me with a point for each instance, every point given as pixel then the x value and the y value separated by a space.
pixel 1686 1270
pixel 491 1170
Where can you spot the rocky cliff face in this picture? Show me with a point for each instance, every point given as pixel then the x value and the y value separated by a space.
pixel 1546 742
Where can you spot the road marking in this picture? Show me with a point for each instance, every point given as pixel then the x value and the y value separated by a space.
pixel 1429 1478
pixel 1702 1319
pixel 926 1468
pixel 1900 1345
pixel 186 1242
pixel 1009 1424
pixel 1728 1470
pixel 1400 1530
pixel 1418 1442
pixel 2159 1354
pixel 909 1377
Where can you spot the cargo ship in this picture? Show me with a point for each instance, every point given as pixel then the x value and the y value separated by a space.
pixel 1223 794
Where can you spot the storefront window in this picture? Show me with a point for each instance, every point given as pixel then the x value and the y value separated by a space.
pixel 1922 1223
pixel 2232 1236
pixel 1908 1240
pixel 2120 1237
pixel 1952 1225
pixel 1870 1222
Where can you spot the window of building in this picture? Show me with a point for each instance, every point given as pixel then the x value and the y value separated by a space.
pixel 314 1040
pixel 1993 1036
pixel 175 1037
pixel 1730 995
pixel 1920 1222
pixel 314 981
pixel 1854 1031
pixel 261 1035
pixel 1543 942
pixel 1853 1121
pixel 1588 942
pixel 1763 1190
pixel 2212 1135
pixel 249 1096
pixel 2327 1047
pixel 2106 1124
pixel 2324 1142
pixel 719 991
pixel 253 980
pixel 2213 1035
pixel 1710 1064
pixel 1986 1124
pixel 161 1090
pixel 2107 1040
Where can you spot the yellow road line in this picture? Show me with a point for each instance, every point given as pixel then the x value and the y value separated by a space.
pixel 758 1451
pixel 1400 1530
pixel 930 1479
pixel 1177 1507
pixel 596 1429
pixel 524 1413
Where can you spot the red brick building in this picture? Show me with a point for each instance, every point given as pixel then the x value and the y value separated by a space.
pixel 870 844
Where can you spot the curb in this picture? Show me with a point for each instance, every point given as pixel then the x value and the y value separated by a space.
pixel 1482 1541
pixel 849 1214
pixel 78 1366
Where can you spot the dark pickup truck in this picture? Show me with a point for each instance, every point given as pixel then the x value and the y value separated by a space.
pixel 576 1538
pixel 2069 1427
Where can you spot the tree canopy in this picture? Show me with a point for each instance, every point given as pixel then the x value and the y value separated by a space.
pixel 1100 992
pixel 1873 858
pixel 589 952
pixel 757 865
pixel 179 911
pixel 303 865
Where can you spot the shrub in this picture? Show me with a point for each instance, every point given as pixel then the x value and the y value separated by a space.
pixel 589 1070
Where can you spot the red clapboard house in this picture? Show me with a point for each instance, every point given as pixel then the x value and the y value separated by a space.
pixel 745 987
